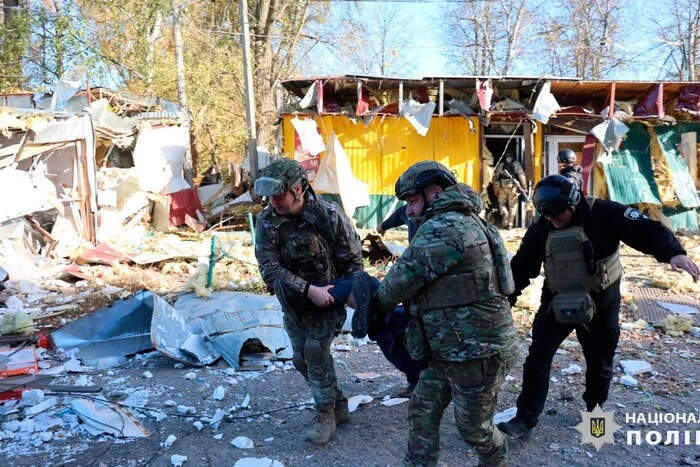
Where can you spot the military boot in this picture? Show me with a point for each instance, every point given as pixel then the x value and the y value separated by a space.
pixel 342 413
pixel 322 428
pixel 362 293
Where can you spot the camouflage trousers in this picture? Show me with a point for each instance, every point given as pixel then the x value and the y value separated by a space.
pixel 508 203
pixel 311 336
pixel 474 386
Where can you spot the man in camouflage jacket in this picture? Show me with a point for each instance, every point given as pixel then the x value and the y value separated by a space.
pixel 454 277
pixel 303 241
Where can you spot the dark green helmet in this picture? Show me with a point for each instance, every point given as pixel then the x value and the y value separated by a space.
pixel 420 175
pixel 280 176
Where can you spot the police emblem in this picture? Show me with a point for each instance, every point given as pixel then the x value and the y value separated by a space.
pixel 597 427
pixel 633 214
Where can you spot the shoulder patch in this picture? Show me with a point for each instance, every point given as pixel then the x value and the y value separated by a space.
pixel 633 214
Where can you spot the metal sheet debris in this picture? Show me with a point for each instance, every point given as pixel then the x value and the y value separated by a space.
pixel 171 327
pixel 647 298
pixel 100 416
pixel 229 319
pixel 106 336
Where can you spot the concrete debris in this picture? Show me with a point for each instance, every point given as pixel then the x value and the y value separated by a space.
pixel 216 420
pixel 185 410
pixel 242 442
pixel 246 402
pixel 42 406
pixel 257 462
pixel 355 401
pixel 147 374
pixel 198 425
pixel 190 375
pixel 566 395
pixel 628 381
pixel 390 402
pixel 219 393
pixel 177 460
pixel 635 367
pixel 32 396
pixel 572 369
pixel 169 441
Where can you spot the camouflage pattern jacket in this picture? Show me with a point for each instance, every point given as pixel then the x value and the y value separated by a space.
pixel 320 246
pixel 446 277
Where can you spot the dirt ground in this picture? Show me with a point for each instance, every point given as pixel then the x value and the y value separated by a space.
pixel 278 412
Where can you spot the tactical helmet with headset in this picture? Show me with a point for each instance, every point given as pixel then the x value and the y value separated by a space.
pixel 555 194
pixel 421 175
pixel 566 156
pixel 280 176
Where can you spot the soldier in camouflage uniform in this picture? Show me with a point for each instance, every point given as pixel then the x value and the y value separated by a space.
pixel 454 278
pixel 302 240
pixel 506 189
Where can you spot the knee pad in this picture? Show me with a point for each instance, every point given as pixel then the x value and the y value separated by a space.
pixel 313 355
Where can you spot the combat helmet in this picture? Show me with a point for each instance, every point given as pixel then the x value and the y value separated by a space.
pixel 420 175
pixel 554 194
pixel 566 156
pixel 280 176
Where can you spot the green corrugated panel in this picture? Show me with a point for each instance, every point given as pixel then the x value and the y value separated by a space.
pixel 669 139
pixel 629 176
pixel 369 217
pixel 682 218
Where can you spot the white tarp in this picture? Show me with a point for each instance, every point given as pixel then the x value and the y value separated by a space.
pixel 308 135
pixel 77 128
pixel 335 177
pixel 545 105
pixel 419 115
pixel 610 133
pixel 159 156
pixel 17 186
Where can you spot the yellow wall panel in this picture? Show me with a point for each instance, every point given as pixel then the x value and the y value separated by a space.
pixel 538 153
pixel 381 151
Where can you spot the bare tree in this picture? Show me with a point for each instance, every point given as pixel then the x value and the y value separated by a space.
pixel 583 38
pixel 485 37
pixel 679 32
pixel 380 46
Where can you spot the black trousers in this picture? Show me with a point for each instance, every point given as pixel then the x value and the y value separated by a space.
pixel 598 340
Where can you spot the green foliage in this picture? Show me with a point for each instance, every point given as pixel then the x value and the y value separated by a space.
pixel 14 43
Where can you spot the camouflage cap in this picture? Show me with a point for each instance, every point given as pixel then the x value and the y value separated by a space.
pixel 280 176
pixel 421 174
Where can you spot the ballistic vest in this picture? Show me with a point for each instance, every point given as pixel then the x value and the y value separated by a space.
pixel 570 266
pixel 470 281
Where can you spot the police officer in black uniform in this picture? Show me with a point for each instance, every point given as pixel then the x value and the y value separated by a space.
pixel 569 168
pixel 582 285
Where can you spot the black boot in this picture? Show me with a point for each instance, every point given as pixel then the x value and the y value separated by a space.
pixel 362 293
pixel 515 428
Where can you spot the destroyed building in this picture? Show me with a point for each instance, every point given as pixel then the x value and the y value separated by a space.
pixel 636 140
pixel 81 166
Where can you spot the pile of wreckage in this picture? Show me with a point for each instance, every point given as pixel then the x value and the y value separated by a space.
pixel 82 169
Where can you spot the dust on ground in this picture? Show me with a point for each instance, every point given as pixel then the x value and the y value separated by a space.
pixel 278 411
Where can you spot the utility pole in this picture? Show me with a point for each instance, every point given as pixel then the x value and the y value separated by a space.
pixel 249 96
pixel 181 86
